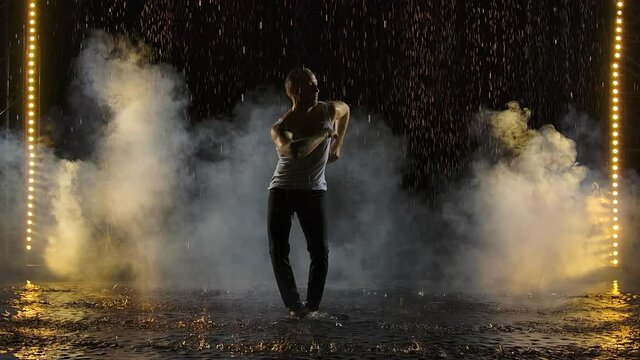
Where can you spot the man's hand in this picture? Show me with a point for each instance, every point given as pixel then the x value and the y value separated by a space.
pixel 331 134
pixel 334 151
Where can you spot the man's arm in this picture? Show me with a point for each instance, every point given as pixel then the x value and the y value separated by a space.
pixel 340 113
pixel 295 149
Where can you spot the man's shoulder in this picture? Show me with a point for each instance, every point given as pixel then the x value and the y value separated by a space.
pixel 280 122
pixel 286 117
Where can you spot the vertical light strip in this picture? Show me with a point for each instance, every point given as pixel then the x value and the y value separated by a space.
pixel 616 105
pixel 32 84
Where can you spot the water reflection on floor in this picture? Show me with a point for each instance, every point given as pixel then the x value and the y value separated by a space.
pixel 80 321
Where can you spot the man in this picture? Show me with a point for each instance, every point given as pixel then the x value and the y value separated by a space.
pixel 308 136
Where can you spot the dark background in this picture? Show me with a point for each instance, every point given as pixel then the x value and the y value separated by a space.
pixel 427 66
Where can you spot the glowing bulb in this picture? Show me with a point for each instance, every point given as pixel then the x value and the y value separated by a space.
pixel 615 65
pixel 31 122
pixel 32 22
pixel 615 126
pixel 615 91
pixel 618 29
pixel 615 74
pixel 615 99
pixel 617 55
pixel 31 180
pixel 615 134
pixel 619 12
pixel 31 88
pixel 615 244
pixel 615 261
pixel 615 176
pixel 30 205
pixel 32 13
pixel 615 253
pixel 618 46
pixel 615 218
pixel 618 38
pixel 32 30
pixel 31 80
pixel 615 193
pixel 32 47
pixel 28 238
pixel 31 163
pixel 31 130
pixel 29 231
pixel 32 155
pixel 615 202
pixel 28 247
pixel 615 116
pixel 30 197
pixel 619 21
pixel 29 214
pixel 620 3
pixel 31 63
pixel 615 211
pixel 615 184
pixel 32 5
pixel 29 222
pixel 615 151
pixel 615 142
pixel 31 72
pixel 31 188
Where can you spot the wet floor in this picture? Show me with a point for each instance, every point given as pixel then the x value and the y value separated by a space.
pixel 49 321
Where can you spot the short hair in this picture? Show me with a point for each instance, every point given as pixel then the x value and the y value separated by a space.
pixel 295 76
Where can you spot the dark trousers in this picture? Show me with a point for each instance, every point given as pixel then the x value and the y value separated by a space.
pixel 309 205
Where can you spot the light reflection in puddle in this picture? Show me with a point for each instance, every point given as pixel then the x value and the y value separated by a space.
pixel 57 320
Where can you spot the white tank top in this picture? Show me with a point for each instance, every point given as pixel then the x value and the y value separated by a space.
pixel 306 173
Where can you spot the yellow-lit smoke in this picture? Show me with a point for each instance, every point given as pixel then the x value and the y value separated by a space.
pixel 110 210
pixel 537 222
pixel 71 235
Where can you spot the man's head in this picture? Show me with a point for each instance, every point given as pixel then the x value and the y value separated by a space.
pixel 302 86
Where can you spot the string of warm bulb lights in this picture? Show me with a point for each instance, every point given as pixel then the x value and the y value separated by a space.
pixel 31 110
pixel 615 130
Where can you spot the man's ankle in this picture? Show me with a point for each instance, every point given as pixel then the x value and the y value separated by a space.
pixel 298 312
pixel 311 307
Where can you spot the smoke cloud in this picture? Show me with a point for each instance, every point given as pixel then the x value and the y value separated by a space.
pixel 530 220
pixel 12 162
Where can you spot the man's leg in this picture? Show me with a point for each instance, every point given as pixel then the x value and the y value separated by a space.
pixel 311 213
pixel 280 213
